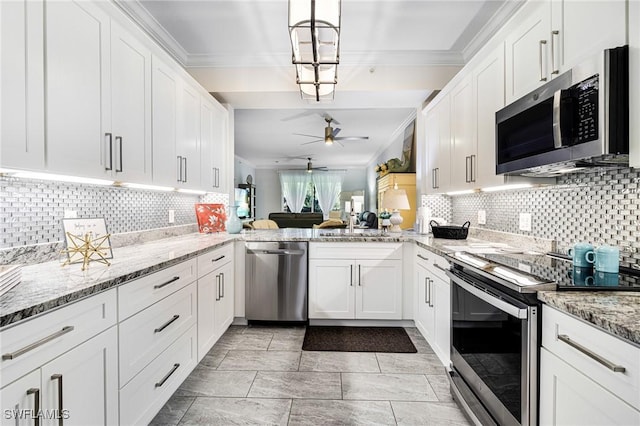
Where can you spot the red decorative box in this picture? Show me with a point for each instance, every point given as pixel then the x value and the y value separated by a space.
pixel 211 217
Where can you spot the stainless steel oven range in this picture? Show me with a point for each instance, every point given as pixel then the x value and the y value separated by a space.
pixel 494 340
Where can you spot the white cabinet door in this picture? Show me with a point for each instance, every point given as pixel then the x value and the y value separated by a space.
pixel 188 140
pixel 208 288
pixel 22 101
pixel 130 107
pixel 331 289
pixel 83 382
pixel 488 80
pixel 432 143
pixel 224 307
pixel 424 312
pixel 379 289
pixel 528 51
pixel 585 28
pixel 21 400
pixel 164 93
pixel 569 397
pixel 463 136
pixel 439 146
pixel 77 80
pixel 441 301
pixel 213 145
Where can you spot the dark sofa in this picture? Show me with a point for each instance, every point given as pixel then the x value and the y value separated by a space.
pixel 296 220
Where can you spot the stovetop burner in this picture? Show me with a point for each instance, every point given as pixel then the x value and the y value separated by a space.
pixel 559 268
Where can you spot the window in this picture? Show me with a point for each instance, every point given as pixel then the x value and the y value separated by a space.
pixel 310 201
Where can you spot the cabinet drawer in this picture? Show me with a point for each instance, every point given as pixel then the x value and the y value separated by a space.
pixel 46 336
pixel 625 385
pixel 138 294
pixel 355 250
pixel 434 263
pixel 146 334
pixel 144 396
pixel 214 259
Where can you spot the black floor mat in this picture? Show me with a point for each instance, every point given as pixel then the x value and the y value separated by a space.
pixel 357 339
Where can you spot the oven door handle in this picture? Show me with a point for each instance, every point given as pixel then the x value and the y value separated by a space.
pixel 514 311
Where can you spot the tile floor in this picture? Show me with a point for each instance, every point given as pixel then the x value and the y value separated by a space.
pixel 260 375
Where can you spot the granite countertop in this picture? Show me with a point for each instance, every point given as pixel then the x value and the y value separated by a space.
pixel 617 312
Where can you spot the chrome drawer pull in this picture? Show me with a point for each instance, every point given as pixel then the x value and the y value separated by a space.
pixel 422 257
pixel 166 324
pixel 36 400
pixel 610 365
pixel 174 279
pixel 220 258
pixel 165 378
pixel 58 377
pixel 439 267
pixel 16 354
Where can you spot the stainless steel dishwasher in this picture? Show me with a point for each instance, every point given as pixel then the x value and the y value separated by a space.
pixel 276 281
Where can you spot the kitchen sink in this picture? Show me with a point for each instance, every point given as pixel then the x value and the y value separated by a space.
pixel 360 233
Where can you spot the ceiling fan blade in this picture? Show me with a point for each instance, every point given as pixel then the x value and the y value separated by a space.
pixel 326 116
pixel 299 115
pixel 336 131
pixel 352 138
pixel 307 143
pixel 302 134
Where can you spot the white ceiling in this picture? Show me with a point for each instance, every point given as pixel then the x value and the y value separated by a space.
pixel 393 54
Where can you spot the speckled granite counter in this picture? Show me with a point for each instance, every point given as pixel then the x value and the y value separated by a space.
pixel 617 312
pixel 47 285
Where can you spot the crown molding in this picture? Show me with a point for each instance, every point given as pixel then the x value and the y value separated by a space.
pixel 141 16
pixel 497 21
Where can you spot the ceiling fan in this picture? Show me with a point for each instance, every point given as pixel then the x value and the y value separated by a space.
pixel 310 167
pixel 330 134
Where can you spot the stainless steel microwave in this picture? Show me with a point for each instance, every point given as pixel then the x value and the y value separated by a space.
pixel 578 119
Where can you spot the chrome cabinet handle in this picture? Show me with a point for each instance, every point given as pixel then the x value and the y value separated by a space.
pixel 351 275
pixel 222 285
pixel 166 324
pixel 32 346
pixel 542 44
pixel 439 267
pixel 359 276
pixel 433 178
pixel 36 404
pixel 467 168
pixel 472 161
pixel 422 257
pixel 58 377
pixel 172 280
pixel 217 287
pixel 185 169
pixel 219 258
pixel 213 177
pixel 426 292
pixel 610 365
pixel 119 141
pixel 179 168
pixel 165 378
pixel 554 69
pixel 430 301
pixel 110 136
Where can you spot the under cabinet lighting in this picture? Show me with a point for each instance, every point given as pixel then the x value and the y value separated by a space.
pixel 192 191
pixel 506 187
pixel 147 187
pixel 57 178
pixel 463 192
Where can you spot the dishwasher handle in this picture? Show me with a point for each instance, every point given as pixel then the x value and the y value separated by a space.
pixel 278 252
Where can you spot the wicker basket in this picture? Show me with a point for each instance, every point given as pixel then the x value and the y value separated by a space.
pixel 450 232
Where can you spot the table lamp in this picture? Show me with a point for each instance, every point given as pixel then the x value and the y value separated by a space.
pixel 395 199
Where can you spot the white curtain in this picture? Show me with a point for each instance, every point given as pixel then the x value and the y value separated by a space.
pixel 294 189
pixel 328 187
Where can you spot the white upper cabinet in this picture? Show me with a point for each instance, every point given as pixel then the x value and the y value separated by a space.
pixel 583 28
pixel 214 143
pixel 463 135
pixel 188 139
pixel 164 95
pixel 77 93
pixel 130 107
pixel 22 101
pixel 488 82
pixel 528 51
pixel 438 140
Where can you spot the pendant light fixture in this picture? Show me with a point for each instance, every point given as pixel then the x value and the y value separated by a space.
pixel 314 28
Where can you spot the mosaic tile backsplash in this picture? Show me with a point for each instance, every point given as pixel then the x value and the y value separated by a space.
pixel 600 206
pixel 31 210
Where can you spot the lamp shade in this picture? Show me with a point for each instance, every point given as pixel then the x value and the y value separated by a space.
pixel 395 199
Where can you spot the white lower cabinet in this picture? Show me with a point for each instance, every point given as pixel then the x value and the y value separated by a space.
pixel 433 311
pixel 587 377
pixel 360 288
pixel 215 296
pixel 62 364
